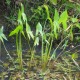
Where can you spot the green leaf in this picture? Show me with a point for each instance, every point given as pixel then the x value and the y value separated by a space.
pixel 39 8
pixel 29 32
pixel 36 42
pixel 64 25
pixel 1 30
pixel 56 23
pixel 51 22
pixel 45 38
pixel 63 19
pixel 18 28
pixel 19 17
pixel 74 20
pixel 8 2
pixel 21 14
pixel 56 28
pixel 63 16
pixel 56 15
pixel 78 25
pixel 24 17
pixel 53 56
pixel 23 34
pixel 22 8
pixel 39 29
pixel 54 2
pixel 74 55
pixel 47 10
pixel 2 36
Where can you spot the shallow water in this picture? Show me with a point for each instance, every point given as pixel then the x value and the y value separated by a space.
pixel 11 48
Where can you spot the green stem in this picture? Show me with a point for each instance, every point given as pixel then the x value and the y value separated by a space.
pixel 58 47
pixel 42 49
pixel 20 51
pixel 17 43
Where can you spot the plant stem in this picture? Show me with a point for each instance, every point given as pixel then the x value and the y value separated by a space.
pixel 8 54
pixel 20 51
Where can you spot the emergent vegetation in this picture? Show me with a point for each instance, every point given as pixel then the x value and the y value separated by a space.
pixel 50 30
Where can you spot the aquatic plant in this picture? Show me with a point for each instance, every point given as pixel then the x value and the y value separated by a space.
pixel 60 27
pixel 22 20
pixel 18 31
pixel 56 27
pixel 2 38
